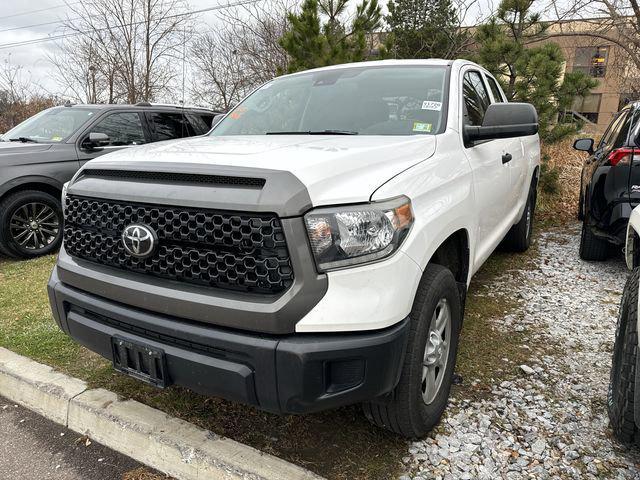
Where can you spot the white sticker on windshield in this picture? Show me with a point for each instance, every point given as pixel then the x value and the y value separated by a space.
pixel 431 105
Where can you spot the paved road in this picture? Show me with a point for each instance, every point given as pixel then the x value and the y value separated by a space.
pixel 34 448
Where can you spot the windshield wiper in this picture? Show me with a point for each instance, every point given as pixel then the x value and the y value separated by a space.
pixel 315 132
pixel 23 140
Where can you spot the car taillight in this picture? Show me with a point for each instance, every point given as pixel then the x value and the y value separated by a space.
pixel 621 156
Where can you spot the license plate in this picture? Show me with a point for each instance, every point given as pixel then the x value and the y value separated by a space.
pixel 139 361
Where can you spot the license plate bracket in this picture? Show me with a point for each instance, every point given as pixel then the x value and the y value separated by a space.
pixel 140 361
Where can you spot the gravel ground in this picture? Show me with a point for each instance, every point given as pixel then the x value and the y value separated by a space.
pixel 548 420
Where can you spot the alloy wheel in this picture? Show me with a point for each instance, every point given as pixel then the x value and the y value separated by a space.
pixel 436 352
pixel 34 226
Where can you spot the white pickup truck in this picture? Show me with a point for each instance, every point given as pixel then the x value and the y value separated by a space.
pixel 314 249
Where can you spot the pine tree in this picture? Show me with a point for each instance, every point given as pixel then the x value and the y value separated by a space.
pixel 423 29
pixel 311 42
pixel 530 74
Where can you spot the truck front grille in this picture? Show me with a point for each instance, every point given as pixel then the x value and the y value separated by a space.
pixel 228 250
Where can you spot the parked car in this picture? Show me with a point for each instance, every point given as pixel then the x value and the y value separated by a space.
pixel 610 185
pixel 42 153
pixel 623 401
pixel 314 250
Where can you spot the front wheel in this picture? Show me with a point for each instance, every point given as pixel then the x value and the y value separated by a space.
pixel 30 224
pixel 420 398
pixel 621 394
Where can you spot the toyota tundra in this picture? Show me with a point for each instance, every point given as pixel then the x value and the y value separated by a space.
pixel 314 249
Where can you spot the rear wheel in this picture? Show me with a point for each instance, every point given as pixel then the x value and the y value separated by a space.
pixel 621 394
pixel 592 247
pixel 421 396
pixel 30 224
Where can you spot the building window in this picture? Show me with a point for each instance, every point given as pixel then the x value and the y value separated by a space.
pixel 588 106
pixel 591 60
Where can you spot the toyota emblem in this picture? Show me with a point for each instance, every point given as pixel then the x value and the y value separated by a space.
pixel 139 240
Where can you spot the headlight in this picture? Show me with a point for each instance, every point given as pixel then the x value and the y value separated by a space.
pixel 345 236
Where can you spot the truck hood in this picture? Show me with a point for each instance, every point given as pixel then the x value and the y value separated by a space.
pixel 334 169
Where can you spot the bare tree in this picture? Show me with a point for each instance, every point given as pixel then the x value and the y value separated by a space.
pixel 14 81
pixel 20 96
pixel 220 79
pixel 82 73
pixel 259 28
pixel 122 49
pixel 232 59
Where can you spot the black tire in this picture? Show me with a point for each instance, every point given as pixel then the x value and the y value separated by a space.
pixel 620 397
pixel 592 248
pixel 44 243
pixel 406 413
pixel 518 238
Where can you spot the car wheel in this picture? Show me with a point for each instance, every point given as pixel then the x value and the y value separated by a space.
pixel 421 395
pixel 621 394
pixel 518 238
pixel 30 224
pixel 592 247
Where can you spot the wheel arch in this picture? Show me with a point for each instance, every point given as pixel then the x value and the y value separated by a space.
pixel 42 184
pixel 454 254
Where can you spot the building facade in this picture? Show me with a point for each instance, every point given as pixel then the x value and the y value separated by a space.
pixel 601 60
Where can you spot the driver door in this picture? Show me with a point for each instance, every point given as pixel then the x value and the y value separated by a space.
pixel 124 129
pixel 490 174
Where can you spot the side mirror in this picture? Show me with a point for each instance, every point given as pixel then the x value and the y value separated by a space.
pixel 504 120
pixel 216 119
pixel 584 145
pixel 96 140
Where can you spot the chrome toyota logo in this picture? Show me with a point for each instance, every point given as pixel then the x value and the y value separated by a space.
pixel 139 240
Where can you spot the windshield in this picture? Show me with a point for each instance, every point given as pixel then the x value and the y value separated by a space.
pixel 51 125
pixel 387 100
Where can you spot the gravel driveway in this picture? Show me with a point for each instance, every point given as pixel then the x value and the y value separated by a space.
pixel 548 420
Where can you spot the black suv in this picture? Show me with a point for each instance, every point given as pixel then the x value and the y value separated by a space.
pixel 610 185
pixel 42 153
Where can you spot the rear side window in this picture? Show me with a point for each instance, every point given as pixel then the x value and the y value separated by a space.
pixel 123 128
pixel 169 125
pixel 495 90
pixel 197 123
pixel 476 98
pixel 208 119
pixel 623 133
pixel 611 135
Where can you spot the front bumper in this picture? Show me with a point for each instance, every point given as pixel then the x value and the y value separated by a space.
pixel 295 373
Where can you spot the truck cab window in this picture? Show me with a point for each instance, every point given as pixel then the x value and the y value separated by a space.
pixel 476 98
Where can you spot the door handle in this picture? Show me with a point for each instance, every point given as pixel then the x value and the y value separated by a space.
pixel 506 158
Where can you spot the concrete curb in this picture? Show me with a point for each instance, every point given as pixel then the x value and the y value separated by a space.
pixel 165 443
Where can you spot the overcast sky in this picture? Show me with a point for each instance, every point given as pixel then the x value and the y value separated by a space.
pixel 19 22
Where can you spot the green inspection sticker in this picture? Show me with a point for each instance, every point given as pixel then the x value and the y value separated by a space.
pixel 421 127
